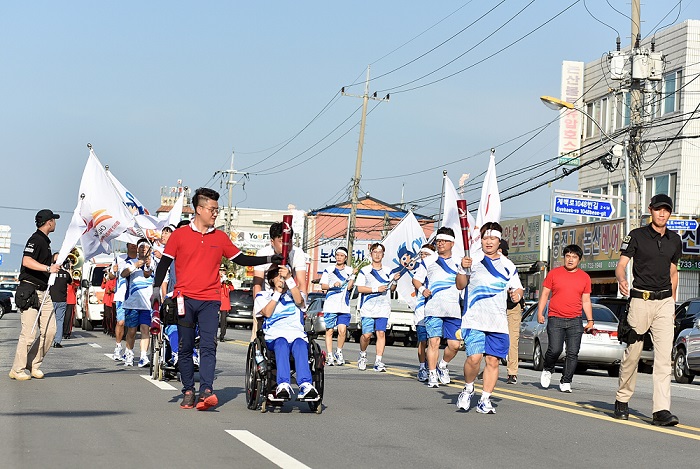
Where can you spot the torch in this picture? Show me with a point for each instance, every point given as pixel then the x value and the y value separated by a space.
pixel 286 238
pixel 464 224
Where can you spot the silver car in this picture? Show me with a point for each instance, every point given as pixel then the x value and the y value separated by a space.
pixel 686 354
pixel 599 347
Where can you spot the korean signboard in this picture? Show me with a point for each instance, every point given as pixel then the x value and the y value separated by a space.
pixel 327 247
pixel 570 123
pixel 690 259
pixel 524 236
pixel 600 242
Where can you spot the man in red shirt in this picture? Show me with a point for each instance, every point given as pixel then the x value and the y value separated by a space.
pixel 108 318
pixel 571 292
pixel 198 249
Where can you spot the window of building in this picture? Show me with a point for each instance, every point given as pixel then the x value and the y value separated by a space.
pixel 661 184
pixel 621 118
pixel 620 204
pixel 591 129
pixel 603 115
pixel 671 92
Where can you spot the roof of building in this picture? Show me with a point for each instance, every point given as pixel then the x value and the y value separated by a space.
pixel 367 207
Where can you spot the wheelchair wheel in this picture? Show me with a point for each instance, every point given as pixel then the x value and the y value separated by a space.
pixel 317 375
pixel 253 382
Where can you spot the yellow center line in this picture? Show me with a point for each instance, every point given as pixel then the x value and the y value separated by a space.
pixel 552 403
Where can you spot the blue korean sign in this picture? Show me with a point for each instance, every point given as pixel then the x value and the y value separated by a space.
pixel 676 224
pixel 584 207
pixel 0 259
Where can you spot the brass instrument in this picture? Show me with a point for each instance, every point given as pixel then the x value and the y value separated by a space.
pixel 76 258
pixel 77 274
pixel 230 276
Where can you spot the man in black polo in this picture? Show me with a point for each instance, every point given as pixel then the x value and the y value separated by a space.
pixel 34 277
pixel 656 251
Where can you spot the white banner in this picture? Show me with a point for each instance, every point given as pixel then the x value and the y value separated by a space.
pixel 570 122
pixel 402 255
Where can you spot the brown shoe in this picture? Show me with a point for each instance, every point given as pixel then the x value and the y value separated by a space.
pixel 187 400
pixel 19 375
pixel 38 374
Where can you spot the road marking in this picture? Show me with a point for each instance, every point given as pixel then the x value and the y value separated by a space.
pixel 159 384
pixel 109 355
pixel 553 403
pixel 266 450
pixel 94 345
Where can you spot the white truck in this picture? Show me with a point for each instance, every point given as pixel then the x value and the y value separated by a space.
pixel 399 327
pixel 89 306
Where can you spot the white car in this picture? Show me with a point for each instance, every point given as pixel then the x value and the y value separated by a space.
pixel 88 305
pixel 12 288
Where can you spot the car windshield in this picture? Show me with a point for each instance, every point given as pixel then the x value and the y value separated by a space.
pixel 241 296
pixel 8 286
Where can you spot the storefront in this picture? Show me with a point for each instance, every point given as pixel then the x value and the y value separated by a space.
pixel 528 251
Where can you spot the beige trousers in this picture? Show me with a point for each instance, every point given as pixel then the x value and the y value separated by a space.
pixel 656 316
pixel 514 317
pixel 30 349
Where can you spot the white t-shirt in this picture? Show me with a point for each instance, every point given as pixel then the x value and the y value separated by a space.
pixel 486 294
pixel 140 288
pixel 297 261
pixel 337 298
pixel 374 305
pixel 441 274
pixel 286 320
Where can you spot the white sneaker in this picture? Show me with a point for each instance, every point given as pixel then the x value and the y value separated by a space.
pixel 362 363
pixel 545 378
pixel 339 360
pixel 144 361
pixel 484 407
pixel 444 375
pixel 379 366
pixel 329 360
pixel 307 391
pixel 433 379
pixel 174 358
pixel 565 387
pixel 464 401
pixel 422 375
pixel 284 391
pixel 129 358
pixel 118 355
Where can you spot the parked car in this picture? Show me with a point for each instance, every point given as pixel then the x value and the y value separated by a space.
pixel 10 286
pixel 686 354
pixel 241 313
pixel 600 347
pixel 89 305
pixel 686 315
pixel 613 303
pixel 313 295
pixel 5 302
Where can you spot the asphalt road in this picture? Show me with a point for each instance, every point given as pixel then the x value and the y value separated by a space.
pixel 89 411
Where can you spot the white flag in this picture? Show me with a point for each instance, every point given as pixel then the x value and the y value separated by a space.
pixel 490 203
pixel 176 212
pixel 145 225
pixel 99 216
pixel 402 255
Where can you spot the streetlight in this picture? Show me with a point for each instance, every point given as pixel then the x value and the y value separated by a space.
pixel 557 105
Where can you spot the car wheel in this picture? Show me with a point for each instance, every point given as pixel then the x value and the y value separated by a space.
pixel 537 358
pixel 390 341
pixel 679 367
pixel 614 371
pixel 89 326
pixel 2 311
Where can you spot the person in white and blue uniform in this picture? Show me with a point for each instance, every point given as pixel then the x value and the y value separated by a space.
pixel 374 284
pixel 284 332
pixel 427 254
pixel 485 322
pixel 337 281
pixel 137 304
pixel 442 312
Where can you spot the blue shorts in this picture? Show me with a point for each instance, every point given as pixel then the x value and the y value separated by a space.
pixel 442 327
pixel 370 325
pixel 136 317
pixel 333 320
pixel 121 313
pixel 478 342
pixel 421 333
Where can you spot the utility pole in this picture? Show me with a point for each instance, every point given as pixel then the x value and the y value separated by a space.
pixel 358 162
pixel 635 148
pixel 230 182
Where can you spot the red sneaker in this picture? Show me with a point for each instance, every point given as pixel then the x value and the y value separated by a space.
pixel 187 400
pixel 207 400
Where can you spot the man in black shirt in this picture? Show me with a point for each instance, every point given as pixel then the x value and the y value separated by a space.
pixel 34 277
pixel 656 251
pixel 59 294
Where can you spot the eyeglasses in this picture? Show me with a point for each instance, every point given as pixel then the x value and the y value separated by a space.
pixel 214 211
pixel 443 241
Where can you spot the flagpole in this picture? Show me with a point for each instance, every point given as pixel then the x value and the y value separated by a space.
pixel 442 196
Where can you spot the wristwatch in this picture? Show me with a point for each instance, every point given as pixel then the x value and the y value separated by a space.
pixel 48 268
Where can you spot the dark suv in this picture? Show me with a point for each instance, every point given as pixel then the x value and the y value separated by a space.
pixel 241 313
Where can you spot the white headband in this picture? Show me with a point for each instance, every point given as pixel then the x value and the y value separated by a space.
pixel 495 233
pixel 427 250
pixel 445 237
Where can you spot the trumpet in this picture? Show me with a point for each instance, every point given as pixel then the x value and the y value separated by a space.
pixel 230 276
pixel 77 274
pixel 75 258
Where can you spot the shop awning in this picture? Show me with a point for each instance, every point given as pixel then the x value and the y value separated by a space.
pixel 600 280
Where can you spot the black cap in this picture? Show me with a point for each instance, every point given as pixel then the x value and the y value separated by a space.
pixel 661 200
pixel 504 247
pixel 42 216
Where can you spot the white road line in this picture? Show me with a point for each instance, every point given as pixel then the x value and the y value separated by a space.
pixel 160 384
pixel 109 355
pixel 94 345
pixel 266 449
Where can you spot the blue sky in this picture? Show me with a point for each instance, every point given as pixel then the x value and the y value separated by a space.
pixel 166 90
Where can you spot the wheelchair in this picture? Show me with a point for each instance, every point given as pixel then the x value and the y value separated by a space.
pixel 261 378
pixel 161 368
